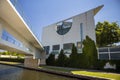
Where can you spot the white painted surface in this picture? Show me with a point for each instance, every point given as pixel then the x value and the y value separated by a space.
pixel 109 66
pixel 50 37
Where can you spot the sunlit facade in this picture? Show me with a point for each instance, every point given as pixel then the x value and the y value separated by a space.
pixel 65 33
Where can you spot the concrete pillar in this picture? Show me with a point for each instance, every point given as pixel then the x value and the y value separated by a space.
pixel 31 62
pixel 42 62
pixel 42 59
pixel 1 30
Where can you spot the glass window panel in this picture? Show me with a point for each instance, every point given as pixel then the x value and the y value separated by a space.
pixel 104 56
pixel 81 31
pixel 67 46
pixel 79 45
pixel 64 26
pixel 115 56
pixel 115 49
pixel 103 49
pixel 56 47
pixel 47 48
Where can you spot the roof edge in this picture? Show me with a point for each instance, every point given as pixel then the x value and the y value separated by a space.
pixel 97 9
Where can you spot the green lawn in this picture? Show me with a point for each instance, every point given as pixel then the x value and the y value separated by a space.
pixel 55 68
pixel 111 76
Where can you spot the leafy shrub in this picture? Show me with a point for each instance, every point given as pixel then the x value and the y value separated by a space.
pixel 62 59
pixel 51 60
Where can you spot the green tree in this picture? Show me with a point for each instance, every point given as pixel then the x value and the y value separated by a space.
pixel 51 60
pixel 62 59
pixel 73 57
pixel 107 33
pixel 89 53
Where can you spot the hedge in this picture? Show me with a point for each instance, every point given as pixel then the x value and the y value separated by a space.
pixel 12 59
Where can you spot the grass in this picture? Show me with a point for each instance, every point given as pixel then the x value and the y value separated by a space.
pixel 54 68
pixel 111 76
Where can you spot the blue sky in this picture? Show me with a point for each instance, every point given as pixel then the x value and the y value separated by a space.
pixel 45 12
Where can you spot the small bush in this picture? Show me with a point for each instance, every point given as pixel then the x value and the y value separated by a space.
pixel 62 59
pixel 74 58
pixel 51 60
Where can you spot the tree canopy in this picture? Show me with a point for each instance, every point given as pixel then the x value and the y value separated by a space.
pixel 89 53
pixel 51 60
pixel 61 61
pixel 73 57
pixel 107 33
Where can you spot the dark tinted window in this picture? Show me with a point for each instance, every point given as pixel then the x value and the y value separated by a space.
pixel 81 31
pixel 115 56
pixel 67 46
pixel 115 49
pixel 103 50
pixel 47 48
pixel 56 47
pixel 104 56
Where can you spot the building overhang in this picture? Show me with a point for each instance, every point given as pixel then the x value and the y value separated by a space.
pixel 9 14
pixel 97 9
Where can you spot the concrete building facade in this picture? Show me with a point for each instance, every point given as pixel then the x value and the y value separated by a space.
pixel 63 34
pixel 12 24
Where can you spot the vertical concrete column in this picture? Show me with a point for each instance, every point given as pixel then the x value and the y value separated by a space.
pixel 42 59
pixel 1 30
pixel 31 62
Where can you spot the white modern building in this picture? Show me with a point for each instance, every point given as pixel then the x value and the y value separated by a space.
pixel 63 34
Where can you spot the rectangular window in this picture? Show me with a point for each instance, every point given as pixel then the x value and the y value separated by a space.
pixel 67 46
pixel 81 31
pixel 10 38
pixel 79 45
pixel 115 56
pixel 55 47
pixel 47 48
pixel 104 56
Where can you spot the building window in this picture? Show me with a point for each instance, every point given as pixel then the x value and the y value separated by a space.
pixel 79 45
pixel 56 47
pixel 10 38
pixel 104 56
pixel 115 56
pixel 81 31
pixel 64 26
pixel 67 46
pixel 47 48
